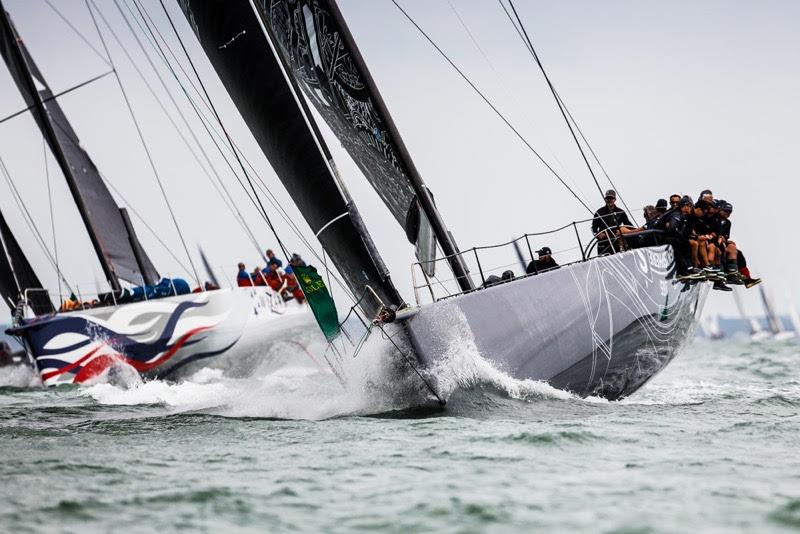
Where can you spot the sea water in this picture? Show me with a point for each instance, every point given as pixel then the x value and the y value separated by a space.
pixel 711 445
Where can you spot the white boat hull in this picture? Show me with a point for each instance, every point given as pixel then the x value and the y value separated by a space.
pixel 168 337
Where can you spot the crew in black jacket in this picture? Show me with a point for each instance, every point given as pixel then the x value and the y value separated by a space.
pixel 606 223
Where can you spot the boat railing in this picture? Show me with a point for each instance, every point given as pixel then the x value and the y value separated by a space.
pixel 490 265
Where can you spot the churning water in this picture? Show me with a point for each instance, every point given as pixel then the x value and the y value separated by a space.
pixel 710 445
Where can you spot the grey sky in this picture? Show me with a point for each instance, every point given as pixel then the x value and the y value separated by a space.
pixel 674 96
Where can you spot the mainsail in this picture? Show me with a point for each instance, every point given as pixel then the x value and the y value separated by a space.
pixel 17 275
pixel 315 42
pixel 234 42
pixel 106 226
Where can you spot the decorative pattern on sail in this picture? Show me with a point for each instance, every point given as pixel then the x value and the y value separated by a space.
pixel 323 64
pixel 255 81
pixel 99 211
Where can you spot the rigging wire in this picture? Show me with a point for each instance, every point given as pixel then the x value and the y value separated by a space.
pixel 507 91
pixel 78 33
pixel 232 148
pixel 144 222
pixel 569 119
pixel 491 105
pixel 144 144
pixel 52 213
pixel 57 95
pixel 225 131
pixel 29 221
pixel 207 123
pixel 219 186
pixel 558 101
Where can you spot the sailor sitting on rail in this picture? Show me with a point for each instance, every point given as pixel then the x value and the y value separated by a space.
pixel 544 263
pixel 284 283
pixel 243 277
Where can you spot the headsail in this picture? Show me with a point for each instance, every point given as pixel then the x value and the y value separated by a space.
pixel 316 43
pixel 99 211
pixel 17 275
pixel 232 38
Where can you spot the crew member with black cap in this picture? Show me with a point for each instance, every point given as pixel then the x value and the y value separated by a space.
pixel 544 263
pixel 735 263
pixel 677 229
pixel 661 206
pixel 606 223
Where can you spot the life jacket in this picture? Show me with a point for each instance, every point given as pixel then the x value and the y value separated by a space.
pixel 243 279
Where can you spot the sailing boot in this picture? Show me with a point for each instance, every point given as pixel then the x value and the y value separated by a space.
pixel 721 286
pixel 749 281
pixel 733 276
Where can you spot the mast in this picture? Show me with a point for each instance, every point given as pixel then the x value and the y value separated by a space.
pixel 314 40
pixel 107 231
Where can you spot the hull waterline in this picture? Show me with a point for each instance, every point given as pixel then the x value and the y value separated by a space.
pixel 165 338
pixel 598 328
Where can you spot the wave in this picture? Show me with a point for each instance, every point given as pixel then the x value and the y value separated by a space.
pixel 19 376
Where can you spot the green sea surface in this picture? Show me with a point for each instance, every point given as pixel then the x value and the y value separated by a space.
pixel 710 445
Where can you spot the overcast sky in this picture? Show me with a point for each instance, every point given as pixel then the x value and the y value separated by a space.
pixel 674 97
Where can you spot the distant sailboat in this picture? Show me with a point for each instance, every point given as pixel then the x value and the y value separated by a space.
pixel 757 333
pixel 159 337
pixel 711 328
pixel 773 321
pixel 795 318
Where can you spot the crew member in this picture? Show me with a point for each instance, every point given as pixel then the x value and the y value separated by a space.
pixel 242 277
pixel 544 263
pixel 606 223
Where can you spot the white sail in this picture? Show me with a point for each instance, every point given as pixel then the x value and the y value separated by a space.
pixel 756 332
pixel 773 322
pixel 795 318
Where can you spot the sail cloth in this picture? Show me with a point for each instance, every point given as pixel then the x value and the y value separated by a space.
pixel 237 47
pixel 328 67
pixel 99 211
pixel 17 275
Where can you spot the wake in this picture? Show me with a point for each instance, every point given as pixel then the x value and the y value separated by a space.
pixel 296 383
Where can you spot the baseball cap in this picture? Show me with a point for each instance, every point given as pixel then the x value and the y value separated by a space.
pixel 611 194
pixel 727 207
pixel 686 201
pixel 544 251
pixel 662 203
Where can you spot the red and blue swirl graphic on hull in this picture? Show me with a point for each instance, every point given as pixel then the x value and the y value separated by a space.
pixel 76 348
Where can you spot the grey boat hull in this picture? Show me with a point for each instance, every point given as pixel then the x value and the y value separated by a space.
pixel 602 327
